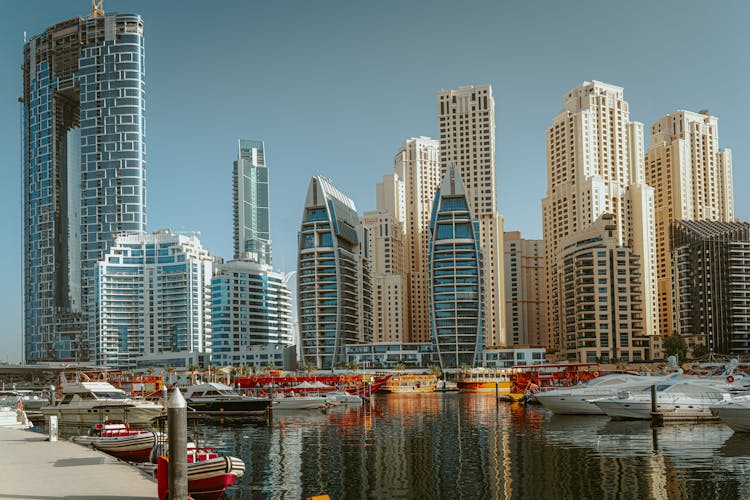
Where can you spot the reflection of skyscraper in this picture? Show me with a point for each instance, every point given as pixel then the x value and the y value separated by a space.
pixel 252 226
pixel 455 275
pixel 334 296
pixel 84 171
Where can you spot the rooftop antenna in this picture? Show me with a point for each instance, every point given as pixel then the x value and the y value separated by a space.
pixel 97 9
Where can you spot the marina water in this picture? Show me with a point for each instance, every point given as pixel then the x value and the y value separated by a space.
pixel 470 447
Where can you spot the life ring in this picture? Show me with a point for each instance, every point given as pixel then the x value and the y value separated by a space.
pixel 595 374
pixel 730 379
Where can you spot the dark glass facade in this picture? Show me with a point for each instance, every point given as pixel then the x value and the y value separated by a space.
pixel 84 172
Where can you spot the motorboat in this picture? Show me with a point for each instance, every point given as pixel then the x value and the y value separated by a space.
pixel 221 400
pixel 343 397
pixel 577 400
pixel 12 415
pixel 209 473
pixel 672 398
pixel 734 412
pixel 132 444
pixel 87 401
pixel 294 402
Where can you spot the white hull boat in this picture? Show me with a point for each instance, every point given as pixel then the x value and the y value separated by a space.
pixel 343 397
pixel 300 403
pixel 14 418
pixel 674 399
pixel 577 400
pixel 735 413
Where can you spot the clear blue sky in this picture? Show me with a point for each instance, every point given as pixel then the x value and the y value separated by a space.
pixel 336 86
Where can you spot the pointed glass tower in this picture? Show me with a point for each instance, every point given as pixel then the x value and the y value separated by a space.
pixel 455 276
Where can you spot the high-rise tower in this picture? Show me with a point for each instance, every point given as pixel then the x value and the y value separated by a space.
pixel 252 225
pixel 84 171
pixel 455 276
pixel 467 140
pixel 334 295
pixel 595 169
pixel 692 180
pixel 417 165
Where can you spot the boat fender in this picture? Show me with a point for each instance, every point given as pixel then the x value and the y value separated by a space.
pixel 730 379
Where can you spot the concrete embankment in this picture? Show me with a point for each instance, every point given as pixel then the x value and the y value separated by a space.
pixel 33 468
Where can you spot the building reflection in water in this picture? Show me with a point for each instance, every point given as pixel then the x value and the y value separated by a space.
pixel 465 446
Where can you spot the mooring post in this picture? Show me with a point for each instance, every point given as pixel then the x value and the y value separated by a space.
pixel 177 436
pixel 657 419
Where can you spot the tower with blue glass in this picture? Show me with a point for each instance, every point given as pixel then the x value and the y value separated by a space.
pixel 84 161
pixel 252 224
pixel 455 276
pixel 334 292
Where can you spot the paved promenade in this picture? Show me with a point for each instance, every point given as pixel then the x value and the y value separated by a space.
pixel 32 468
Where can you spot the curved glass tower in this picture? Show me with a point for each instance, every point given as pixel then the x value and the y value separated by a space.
pixel 84 172
pixel 455 276
pixel 333 289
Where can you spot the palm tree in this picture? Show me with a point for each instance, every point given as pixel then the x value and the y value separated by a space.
pixel 434 369
pixel 400 366
pixel 193 369
pixel 170 371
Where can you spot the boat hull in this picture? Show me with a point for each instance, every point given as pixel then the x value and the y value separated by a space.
pixel 503 386
pixel 91 416
pixel 299 403
pixel 135 448
pixel 569 404
pixel 737 417
pixel 231 407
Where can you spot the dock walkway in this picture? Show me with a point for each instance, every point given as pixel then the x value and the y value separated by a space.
pixel 33 468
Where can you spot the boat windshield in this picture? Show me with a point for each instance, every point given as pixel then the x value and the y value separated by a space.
pixel 110 395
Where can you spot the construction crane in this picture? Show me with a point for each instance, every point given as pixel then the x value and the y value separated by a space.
pixel 96 8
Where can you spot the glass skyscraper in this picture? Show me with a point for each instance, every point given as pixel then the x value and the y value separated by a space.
pixel 252 225
pixel 84 171
pixel 334 294
pixel 455 276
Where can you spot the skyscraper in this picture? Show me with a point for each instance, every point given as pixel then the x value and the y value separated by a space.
pixel 334 294
pixel 455 276
pixel 84 171
pixel 386 240
pixel 525 290
pixel 153 296
pixel 251 305
pixel 252 225
pixel 595 168
pixel 467 140
pixel 711 273
pixel 417 165
pixel 692 180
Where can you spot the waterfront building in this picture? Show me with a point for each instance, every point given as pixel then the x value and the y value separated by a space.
pixel 334 293
pixel 252 222
pixel 251 305
pixel 525 291
pixel 152 296
pixel 595 167
pixel 466 123
pixel 711 272
pixel 84 159
pixel 455 276
pixel 602 301
pixel 508 357
pixel 392 355
pixel 417 165
pixel 692 180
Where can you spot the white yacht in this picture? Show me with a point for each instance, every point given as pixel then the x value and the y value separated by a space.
pixel 299 402
pixel 343 397
pixel 92 402
pixel 218 399
pixel 735 413
pixel 11 412
pixel 691 397
pixel 577 400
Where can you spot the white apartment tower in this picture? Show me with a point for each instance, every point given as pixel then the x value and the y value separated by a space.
pixel 692 180
pixel 595 167
pixel 525 290
pixel 467 140
pixel 417 165
pixel 153 295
